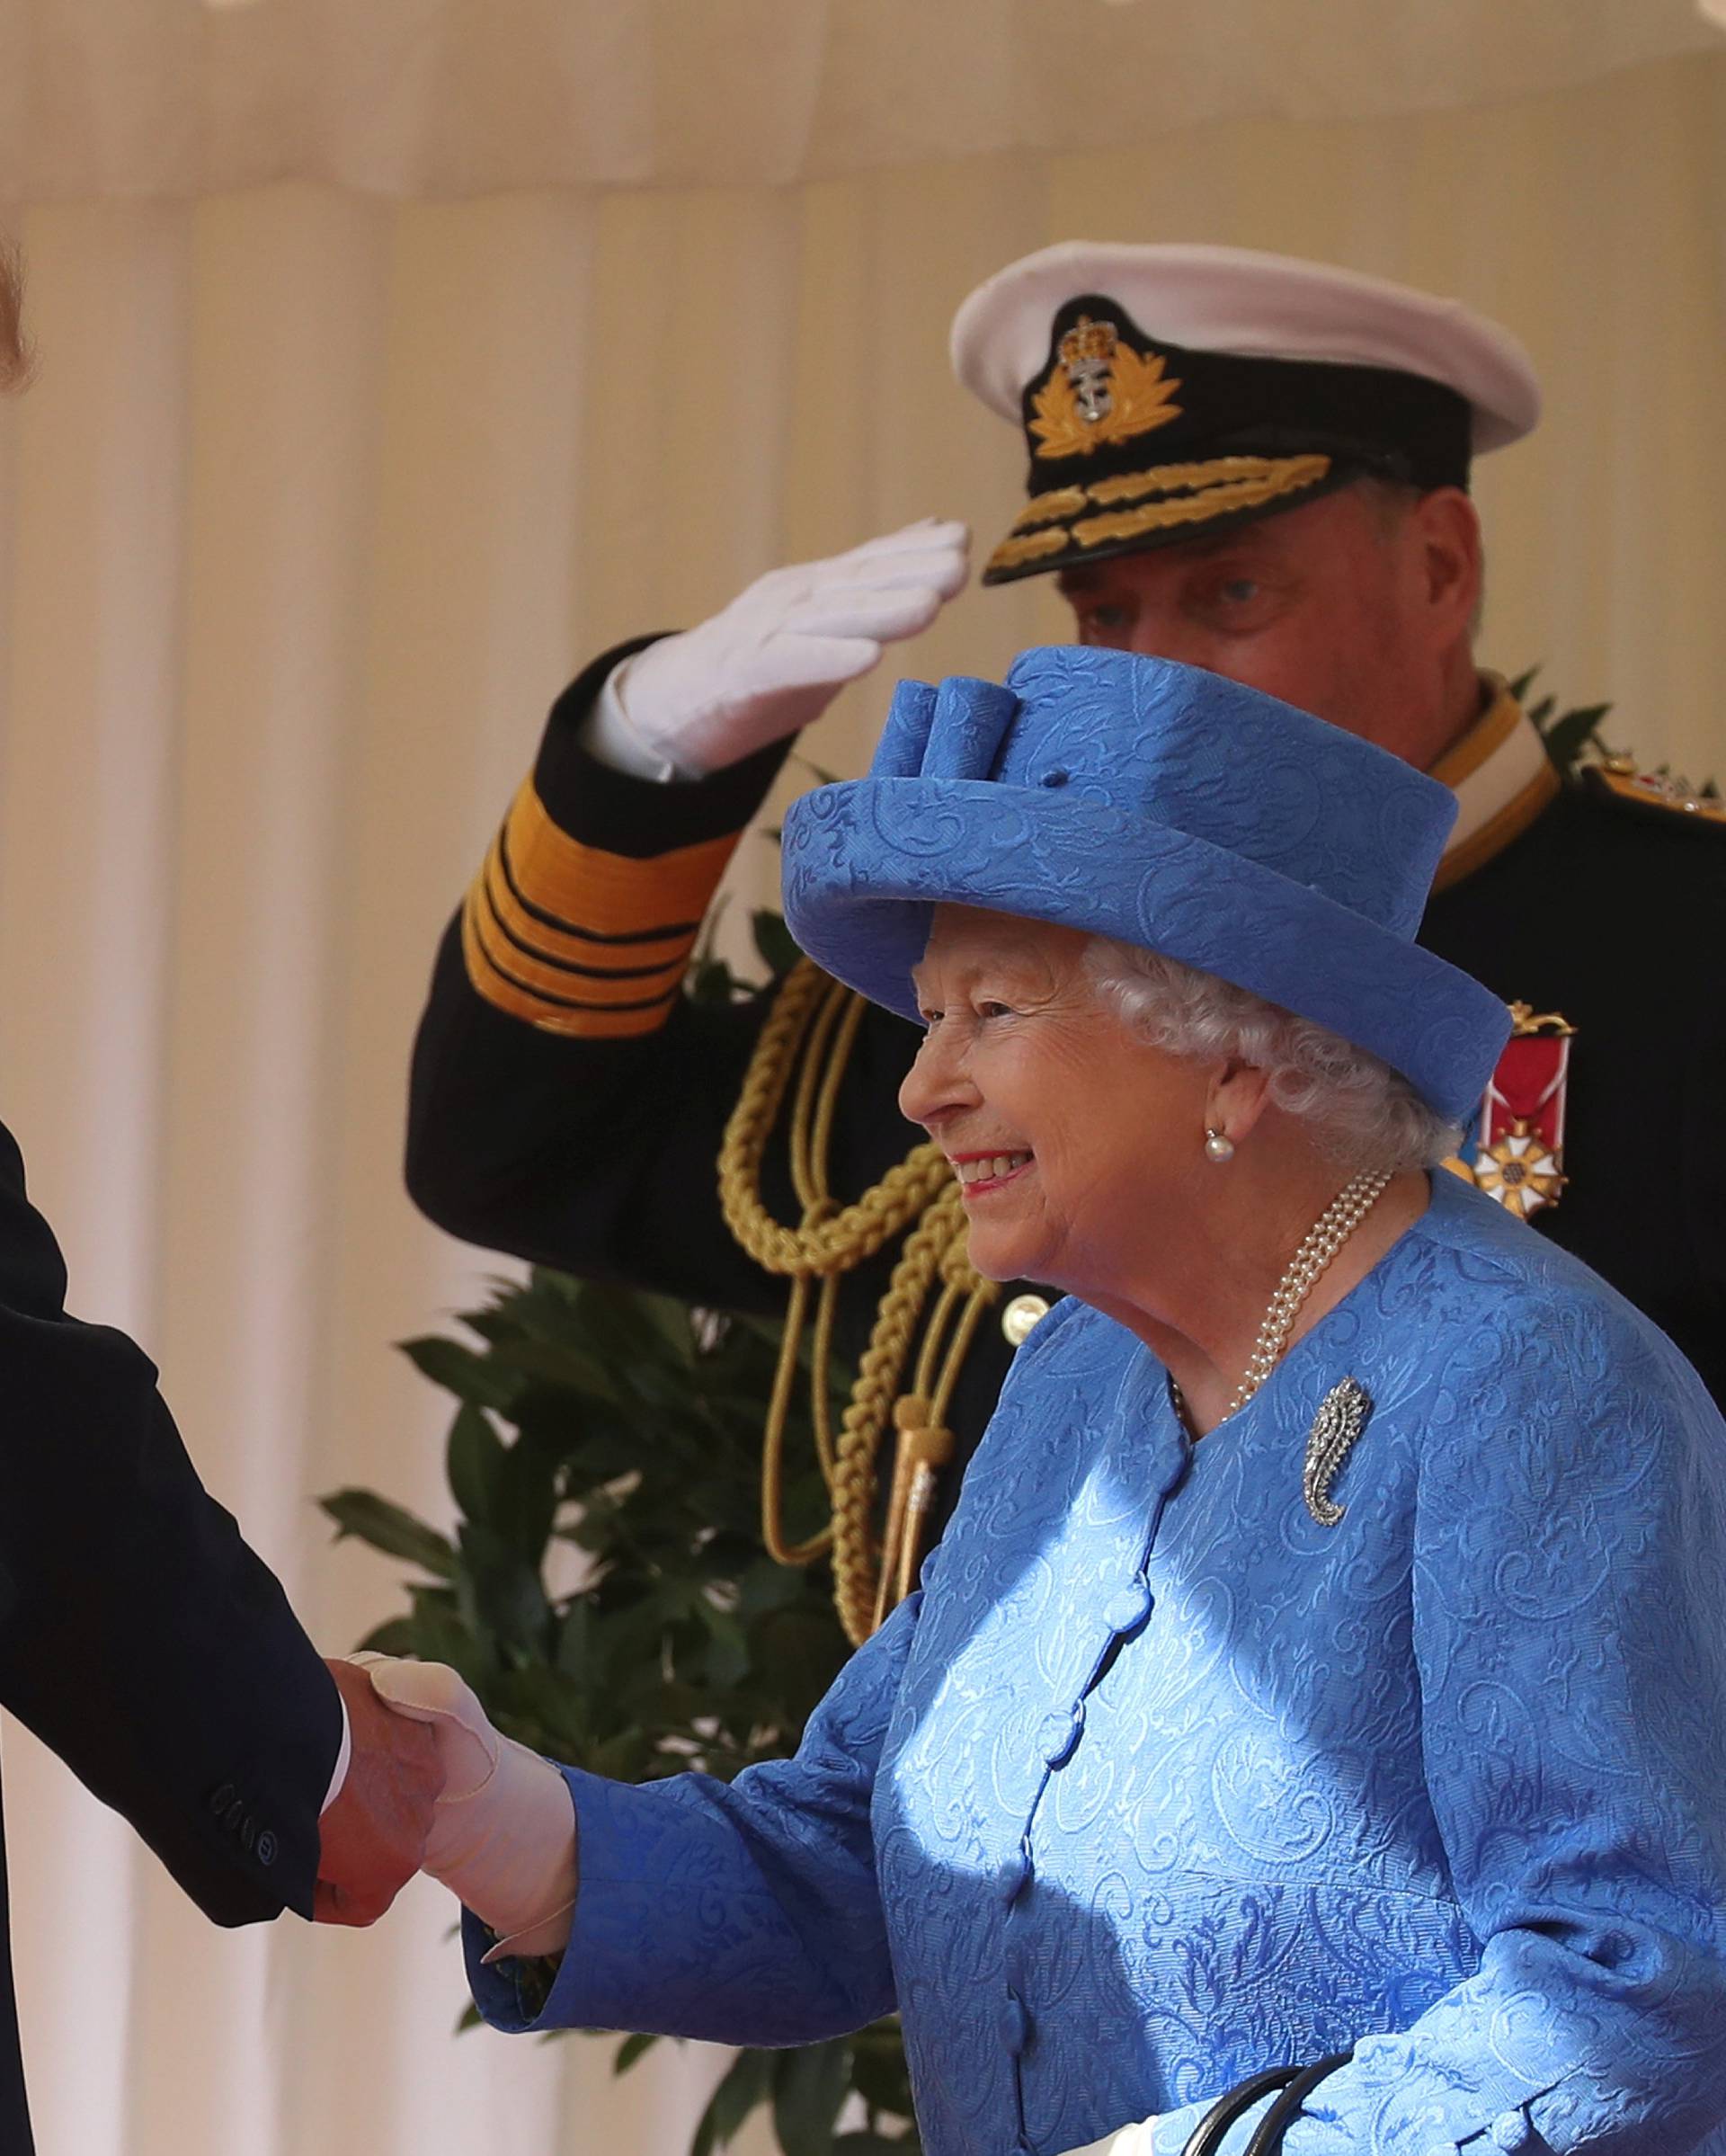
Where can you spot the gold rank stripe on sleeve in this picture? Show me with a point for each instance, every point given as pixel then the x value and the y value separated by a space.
pixel 578 940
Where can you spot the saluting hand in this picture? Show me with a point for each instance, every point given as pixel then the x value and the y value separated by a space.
pixel 776 657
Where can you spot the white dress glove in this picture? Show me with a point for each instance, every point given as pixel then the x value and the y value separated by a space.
pixel 777 657
pixel 504 1833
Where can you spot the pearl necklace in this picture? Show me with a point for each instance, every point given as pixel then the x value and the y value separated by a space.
pixel 1323 1239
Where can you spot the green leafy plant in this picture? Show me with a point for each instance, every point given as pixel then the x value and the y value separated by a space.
pixel 1571 737
pixel 630 1427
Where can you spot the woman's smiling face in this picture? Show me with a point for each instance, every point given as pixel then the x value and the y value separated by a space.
pixel 1079 1144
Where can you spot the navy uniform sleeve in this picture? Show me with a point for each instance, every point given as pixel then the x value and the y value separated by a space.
pixel 139 1637
pixel 567 1102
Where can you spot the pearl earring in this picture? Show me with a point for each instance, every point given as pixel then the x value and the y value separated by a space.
pixel 1218 1146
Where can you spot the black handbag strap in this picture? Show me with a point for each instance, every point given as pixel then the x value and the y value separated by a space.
pixel 1206 2137
pixel 1268 2140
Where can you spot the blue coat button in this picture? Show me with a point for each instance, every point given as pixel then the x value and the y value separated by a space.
pixel 1015 2023
pixel 267 1846
pixel 1513 2133
pixel 1059 1735
pixel 1012 1874
pixel 1127 1609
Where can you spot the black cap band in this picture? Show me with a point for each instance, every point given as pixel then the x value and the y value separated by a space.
pixel 1136 443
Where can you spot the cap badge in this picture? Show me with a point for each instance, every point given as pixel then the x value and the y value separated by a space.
pixel 1087 353
pixel 1098 391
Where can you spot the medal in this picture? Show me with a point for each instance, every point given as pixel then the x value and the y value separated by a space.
pixel 1515 1151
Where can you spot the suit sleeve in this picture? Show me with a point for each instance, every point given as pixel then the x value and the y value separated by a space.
pixel 567 1102
pixel 139 1637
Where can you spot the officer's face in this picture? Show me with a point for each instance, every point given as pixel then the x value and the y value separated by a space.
pixel 1356 608
pixel 1068 1132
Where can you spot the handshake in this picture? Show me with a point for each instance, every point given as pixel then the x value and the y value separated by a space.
pixel 432 1787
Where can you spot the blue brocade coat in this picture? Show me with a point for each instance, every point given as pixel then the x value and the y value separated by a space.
pixel 1159 1781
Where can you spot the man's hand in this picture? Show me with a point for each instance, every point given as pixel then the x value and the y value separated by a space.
pixel 504 1837
pixel 777 657
pixel 374 1834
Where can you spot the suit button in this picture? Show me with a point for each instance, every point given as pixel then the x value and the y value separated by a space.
pixel 1127 1609
pixel 1512 2132
pixel 222 1799
pixel 1012 1874
pixel 232 1817
pixel 266 1847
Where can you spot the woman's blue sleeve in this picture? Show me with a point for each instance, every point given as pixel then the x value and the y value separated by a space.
pixel 744 1912
pixel 1569 1628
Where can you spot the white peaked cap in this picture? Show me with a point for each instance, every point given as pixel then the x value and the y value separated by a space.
pixel 1251 305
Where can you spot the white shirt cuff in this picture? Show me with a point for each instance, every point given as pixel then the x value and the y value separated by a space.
pixel 607 735
pixel 343 1756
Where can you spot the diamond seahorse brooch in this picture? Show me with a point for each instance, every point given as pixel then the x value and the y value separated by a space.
pixel 1342 1417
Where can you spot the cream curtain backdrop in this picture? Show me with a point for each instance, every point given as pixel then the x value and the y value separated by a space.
pixel 465 97
pixel 317 502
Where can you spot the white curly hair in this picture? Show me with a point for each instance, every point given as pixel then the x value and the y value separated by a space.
pixel 1364 1114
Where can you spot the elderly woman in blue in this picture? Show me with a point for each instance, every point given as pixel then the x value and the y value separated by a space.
pixel 1310 1732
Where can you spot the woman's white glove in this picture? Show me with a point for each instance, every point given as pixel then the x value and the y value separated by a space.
pixel 1126 2141
pixel 502 1833
pixel 778 654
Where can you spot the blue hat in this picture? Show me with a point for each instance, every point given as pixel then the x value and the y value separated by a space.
pixel 1164 807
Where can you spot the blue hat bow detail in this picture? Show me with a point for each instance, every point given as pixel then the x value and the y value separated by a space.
pixel 953 731
pixel 1166 807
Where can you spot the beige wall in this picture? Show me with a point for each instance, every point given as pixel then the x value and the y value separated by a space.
pixel 316 503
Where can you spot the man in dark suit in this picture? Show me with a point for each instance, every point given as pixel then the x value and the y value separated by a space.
pixel 143 1641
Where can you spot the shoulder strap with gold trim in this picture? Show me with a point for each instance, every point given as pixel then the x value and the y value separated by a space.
pixel 1619 777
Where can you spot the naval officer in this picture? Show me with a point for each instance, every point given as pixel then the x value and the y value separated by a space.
pixel 1252 464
